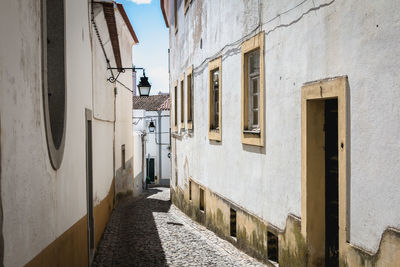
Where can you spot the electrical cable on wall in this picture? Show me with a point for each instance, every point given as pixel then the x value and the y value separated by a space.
pixel 235 47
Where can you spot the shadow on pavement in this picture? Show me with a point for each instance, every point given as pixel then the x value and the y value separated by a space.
pixel 131 237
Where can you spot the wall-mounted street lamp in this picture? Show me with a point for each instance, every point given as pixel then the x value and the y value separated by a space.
pixel 144 86
pixel 152 127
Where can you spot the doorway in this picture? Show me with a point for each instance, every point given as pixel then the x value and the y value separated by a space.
pixel 331 184
pixel 150 169
pixel 324 184
pixel 89 184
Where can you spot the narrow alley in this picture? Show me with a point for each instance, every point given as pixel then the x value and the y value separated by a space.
pixel 149 231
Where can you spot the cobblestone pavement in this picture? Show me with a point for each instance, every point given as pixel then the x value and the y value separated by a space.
pixel 149 231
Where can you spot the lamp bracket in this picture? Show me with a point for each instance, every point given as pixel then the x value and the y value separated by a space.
pixel 113 79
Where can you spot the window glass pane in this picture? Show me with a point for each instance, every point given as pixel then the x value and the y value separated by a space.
pixel 215 81
pixel 189 97
pixel 255 118
pixel 255 85
pixel 255 101
pixel 215 77
pixel 254 61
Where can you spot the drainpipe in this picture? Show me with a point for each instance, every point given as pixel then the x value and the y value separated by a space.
pixel 159 147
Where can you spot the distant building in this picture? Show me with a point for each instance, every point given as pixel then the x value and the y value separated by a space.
pixel 151 119
pixel 66 148
pixel 286 126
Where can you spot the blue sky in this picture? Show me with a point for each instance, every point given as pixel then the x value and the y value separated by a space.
pixel 152 50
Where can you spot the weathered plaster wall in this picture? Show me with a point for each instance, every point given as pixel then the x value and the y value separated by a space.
pixel 304 41
pixel 103 110
pixel 40 203
pixel 123 125
pixel 43 206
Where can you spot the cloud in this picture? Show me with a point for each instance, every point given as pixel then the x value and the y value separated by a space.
pixel 139 2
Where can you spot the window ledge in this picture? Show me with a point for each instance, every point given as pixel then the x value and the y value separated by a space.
pixel 252 138
pixel 252 131
pixel 190 125
pixel 214 135
pixel 176 135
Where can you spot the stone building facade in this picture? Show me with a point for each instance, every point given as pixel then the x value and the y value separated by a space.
pixel 66 130
pixel 286 124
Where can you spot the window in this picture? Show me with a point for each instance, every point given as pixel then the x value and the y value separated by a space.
pixel 190 190
pixel 189 97
pixel 176 106
pixel 253 83
pixel 123 157
pixel 201 206
pixel 214 68
pixel 253 91
pixel 53 69
pixel 272 247
pixel 233 223
pixel 182 102
pixel 176 15
pixel 187 4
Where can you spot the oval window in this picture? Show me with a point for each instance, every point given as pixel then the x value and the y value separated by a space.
pixel 54 89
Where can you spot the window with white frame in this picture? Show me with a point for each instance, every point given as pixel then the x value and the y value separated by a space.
pixel 253 81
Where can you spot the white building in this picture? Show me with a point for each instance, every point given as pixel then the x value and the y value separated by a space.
pixel 151 119
pixel 286 123
pixel 66 148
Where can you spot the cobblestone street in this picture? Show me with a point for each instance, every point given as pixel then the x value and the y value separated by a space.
pixel 149 231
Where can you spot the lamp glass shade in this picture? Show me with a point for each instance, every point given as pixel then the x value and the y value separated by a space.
pixel 152 127
pixel 144 86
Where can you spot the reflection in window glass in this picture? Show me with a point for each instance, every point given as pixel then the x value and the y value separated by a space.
pixel 215 88
pixel 253 82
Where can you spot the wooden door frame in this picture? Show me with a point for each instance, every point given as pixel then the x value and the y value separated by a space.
pixel 89 176
pixel 311 167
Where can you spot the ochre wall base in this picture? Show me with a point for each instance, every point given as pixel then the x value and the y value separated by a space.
pixel 71 248
pixel 252 232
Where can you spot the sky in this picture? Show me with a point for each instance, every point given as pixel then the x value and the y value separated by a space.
pixel 151 52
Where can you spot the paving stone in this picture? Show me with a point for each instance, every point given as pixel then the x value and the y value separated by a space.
pixel 149 231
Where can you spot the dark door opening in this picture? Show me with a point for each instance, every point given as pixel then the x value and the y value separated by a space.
pixel 331 184
pixel 201 206
pixel 89 184
pixel 233 223
pixel 150 170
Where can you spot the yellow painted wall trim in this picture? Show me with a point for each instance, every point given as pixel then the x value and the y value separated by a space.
pixel 312 164
pixel 71 247
pixel 255 139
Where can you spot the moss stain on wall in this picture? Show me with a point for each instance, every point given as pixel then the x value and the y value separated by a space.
pixel 251 235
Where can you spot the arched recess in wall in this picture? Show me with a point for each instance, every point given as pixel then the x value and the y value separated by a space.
pixel 53 70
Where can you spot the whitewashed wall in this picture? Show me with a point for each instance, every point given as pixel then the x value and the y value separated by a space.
pixel 304 41
pixel 39 203
pixel 152 146
pixel 123 126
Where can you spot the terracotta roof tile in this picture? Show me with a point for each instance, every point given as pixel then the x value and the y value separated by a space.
pixel 152 103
